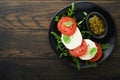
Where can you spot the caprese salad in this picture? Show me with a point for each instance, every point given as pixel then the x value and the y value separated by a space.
pixel 71 41
pixel 71 37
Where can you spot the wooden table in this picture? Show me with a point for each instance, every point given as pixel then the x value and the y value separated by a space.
pixel 25 52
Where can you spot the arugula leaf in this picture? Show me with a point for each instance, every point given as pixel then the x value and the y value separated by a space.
pixel 55 35
pixel 64 53
pixel 83 19
pixel 80 22
pixel 85 13
pixel 60 45
pixel 57 18
pixel 70 11
pixel 104 46
pixel 86 34
pixel 73 6
pixel 93 64
pixel 77 63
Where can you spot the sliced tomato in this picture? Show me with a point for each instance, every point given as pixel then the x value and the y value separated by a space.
pixel 67 25
pixel 79 51
pixel 98 54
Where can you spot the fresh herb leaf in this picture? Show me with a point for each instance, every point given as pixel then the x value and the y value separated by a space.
pixel 56 36
pixel 86 34
pixel 79 23
pixel 77 63
pixel 66 39
pixel 68 23
pixel 64 53
pixel 85 13
pixel 93 64
pixel 93 51
pixel 60 46
pixel 70 11
pixel 74 17
pixel 73 6
pixel 57 18
pixel 83 19
pixel 59 42
pixel 104 46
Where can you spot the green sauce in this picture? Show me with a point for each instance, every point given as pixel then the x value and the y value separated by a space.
pixel 96 25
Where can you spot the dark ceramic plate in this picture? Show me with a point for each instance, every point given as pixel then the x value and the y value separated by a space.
pixel 87 7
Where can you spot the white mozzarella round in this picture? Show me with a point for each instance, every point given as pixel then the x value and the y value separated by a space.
pixel 75 40
pixel 91 50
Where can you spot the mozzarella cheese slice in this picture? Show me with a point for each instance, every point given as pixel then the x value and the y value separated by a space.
pixel 73 41
pixel 91 50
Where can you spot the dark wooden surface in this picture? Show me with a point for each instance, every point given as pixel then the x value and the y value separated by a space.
pixel 25 52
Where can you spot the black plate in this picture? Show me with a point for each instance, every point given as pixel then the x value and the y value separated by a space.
pixel 88 7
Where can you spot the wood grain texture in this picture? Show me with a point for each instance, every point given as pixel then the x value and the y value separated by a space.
pixel 43 69
pixel 28 14
pixel 25 44
pixel 25 52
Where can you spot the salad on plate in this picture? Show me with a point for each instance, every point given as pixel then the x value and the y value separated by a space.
pixel 74 40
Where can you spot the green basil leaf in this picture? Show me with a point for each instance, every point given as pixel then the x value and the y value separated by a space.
pixel 66 39
pixel 93 51
pixel 68 23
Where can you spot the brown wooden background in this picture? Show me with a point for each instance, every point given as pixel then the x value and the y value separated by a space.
pixel 25 52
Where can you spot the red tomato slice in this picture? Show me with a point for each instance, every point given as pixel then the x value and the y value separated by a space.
pixel 79 51
pixel 67 25
pixel 98 54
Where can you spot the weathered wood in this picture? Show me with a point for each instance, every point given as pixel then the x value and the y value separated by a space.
pixel 25 44
pixel 28 15
pixel 36 14
pixel 43 69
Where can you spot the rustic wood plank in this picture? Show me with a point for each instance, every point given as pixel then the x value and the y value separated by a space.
pixel 36 14
pixel 27 15
pixel 25 44
pixel 42 69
